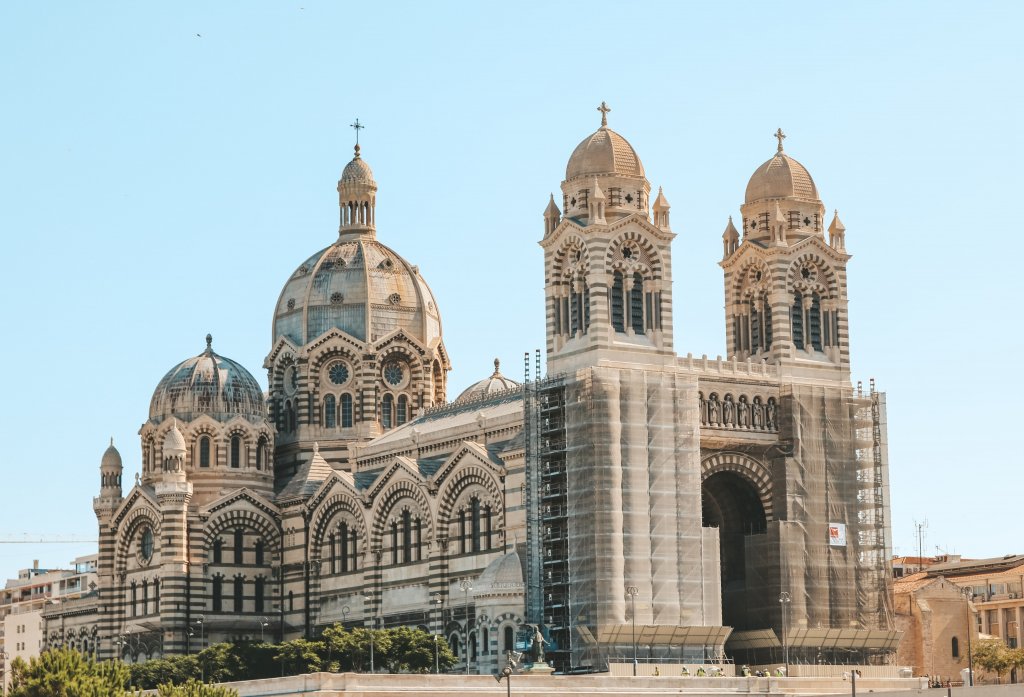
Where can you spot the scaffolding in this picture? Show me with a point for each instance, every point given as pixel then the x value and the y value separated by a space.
pixel 547 588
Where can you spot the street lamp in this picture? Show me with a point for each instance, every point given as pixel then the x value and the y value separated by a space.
pixel 784 601
pixel 439 601
pixel 466 585
pixel 264 622
pixel 373 626
pixel 201 621
pixel 506 672
pixel 631 591
pixel 970 658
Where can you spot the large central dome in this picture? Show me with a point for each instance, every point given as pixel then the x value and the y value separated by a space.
pixel 362 288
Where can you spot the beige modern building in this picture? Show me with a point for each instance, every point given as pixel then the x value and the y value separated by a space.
pixel 630 484
pixel 28 601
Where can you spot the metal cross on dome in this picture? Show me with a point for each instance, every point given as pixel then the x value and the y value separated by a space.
pixel 604 109
pixel 780 135
pixel 358 126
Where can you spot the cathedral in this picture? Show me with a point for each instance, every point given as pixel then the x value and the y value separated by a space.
pixel 708 504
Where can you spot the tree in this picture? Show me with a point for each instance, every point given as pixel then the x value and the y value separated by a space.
pixel 992 655
pixel 299 656
pixel 68 673
pixel 159 671
pixel 412 651
pixel 194 688
pixel 349 649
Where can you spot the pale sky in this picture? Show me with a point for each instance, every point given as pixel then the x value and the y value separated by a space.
pixel 166 166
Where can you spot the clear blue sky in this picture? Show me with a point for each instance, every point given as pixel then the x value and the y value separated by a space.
pixel 166 166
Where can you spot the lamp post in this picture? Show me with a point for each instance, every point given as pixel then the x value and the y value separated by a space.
pixel 263 627
pixel 506 672
pixel 631 591
pixel 466 585
pixel 784 601
pixel 970 620
pixel 439 601
pixel 373 626
pixel 201 621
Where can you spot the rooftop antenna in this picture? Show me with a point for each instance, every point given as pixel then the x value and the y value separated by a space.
pixel 921 527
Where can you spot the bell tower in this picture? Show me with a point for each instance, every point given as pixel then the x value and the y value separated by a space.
pixel 608 279
pixel 785 283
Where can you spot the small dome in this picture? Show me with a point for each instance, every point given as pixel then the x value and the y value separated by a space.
pixel 174 442
pixel 207 384
pixel 604 152
pixel 111 457
pixel 357 170
pixel 503 576
pixel 361 287
pixel 488 386
pixel 781 177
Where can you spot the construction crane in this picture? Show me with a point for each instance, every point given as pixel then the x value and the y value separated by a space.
pixel 29 539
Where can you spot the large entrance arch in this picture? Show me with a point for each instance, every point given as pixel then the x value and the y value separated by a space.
pixel 734 499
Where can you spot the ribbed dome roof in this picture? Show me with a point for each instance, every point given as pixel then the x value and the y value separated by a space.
pixel 604 152
pixel 357 170
pixel 207 384
pixel 490 385
pixel 111 457
pixel 781 177
pixel 358 286
pixel 174 442
pixel 502 576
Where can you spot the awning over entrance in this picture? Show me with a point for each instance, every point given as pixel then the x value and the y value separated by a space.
pixel 663 635
pixel 752 639
pixel 878 639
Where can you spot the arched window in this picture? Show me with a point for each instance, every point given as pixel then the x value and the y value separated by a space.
pixel 406 536
pixel 394 542
pixel 387 408
pixel 797 316
pixel 343 539
pixel 204 451
pixel 218 593
pixel 260 445
pixel 260 592
pixel 239 545
pixel 766 313
pixel 259 552
pixel 218 551
pixel 239 592
pixel 485 641
pixel 463 535
pixel 402 410
pixel 956 648
pixel 330 411
pixel 346 411
pixel 453 641
pixel 618 304
pixel 509 644
pixel 145 597
pixel 291 601
pixel 156 595
pixel 475 508
pixel 636 304
pixel 236 452
pixel 814 322
pixel 353 564
pixel 135 599
pixel 472 646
